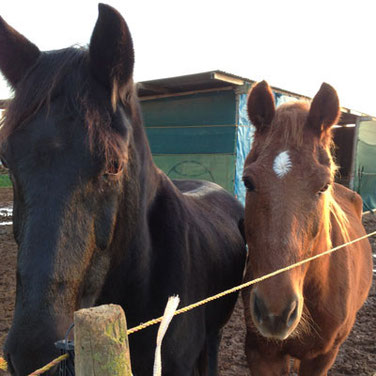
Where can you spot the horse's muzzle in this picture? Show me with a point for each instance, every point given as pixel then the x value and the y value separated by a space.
pixel 275 325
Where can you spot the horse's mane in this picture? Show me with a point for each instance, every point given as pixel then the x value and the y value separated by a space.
pixel 41 83
pixel 291 119
pixel 334 212
pixel 66 72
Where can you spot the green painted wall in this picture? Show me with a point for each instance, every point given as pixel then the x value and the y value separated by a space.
pixel 214 108
pixel 191 140
pixel 218 168
pixel 193 136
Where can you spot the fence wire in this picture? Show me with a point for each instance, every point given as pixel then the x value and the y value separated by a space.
pixel 247 284
pixel 215 297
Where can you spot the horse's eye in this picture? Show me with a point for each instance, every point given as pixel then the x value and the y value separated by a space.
pixel 324 188
pixel 113 169
pixel 248 183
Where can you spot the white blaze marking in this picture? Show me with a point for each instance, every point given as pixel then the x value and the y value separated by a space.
pixel 282 164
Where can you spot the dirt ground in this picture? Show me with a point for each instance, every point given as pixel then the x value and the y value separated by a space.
pixel 357 355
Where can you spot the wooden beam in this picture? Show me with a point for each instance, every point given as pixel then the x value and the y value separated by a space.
pixel 229 79
pixel 185 93
pixel 153 88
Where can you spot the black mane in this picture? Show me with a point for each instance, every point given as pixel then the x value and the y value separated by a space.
pixel 66 73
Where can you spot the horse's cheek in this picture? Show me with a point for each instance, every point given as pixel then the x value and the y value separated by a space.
pixel 104 228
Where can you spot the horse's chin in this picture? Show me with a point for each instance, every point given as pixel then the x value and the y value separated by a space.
pixel 280 336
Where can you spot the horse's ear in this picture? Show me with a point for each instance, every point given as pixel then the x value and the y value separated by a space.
pixel 324 111
pixel 17 54
pixel 111 49
pixel 261 107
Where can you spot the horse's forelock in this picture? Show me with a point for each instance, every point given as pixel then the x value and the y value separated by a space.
pixel 289 122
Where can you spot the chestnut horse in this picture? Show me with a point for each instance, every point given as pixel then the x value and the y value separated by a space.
pixel 95 220
pixel 294 210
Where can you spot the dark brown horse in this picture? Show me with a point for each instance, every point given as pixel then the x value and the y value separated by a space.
pixel 295 210
pixel 95 220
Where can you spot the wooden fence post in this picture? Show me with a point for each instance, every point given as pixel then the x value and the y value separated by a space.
pixel 101 342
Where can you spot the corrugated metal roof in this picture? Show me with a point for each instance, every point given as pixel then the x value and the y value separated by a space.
pixel 217 80
pixel 188 83
pixel 212 80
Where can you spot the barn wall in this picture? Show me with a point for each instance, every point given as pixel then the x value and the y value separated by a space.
pixel 214 108
pixel 218 168
pixel 193 136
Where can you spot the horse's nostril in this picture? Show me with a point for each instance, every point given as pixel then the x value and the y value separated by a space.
pixel 292 313
pixel 259 309
pixel 256 311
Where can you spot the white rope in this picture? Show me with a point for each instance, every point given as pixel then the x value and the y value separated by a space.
pixel 169 312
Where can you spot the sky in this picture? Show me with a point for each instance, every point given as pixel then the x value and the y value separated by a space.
pixel 294 45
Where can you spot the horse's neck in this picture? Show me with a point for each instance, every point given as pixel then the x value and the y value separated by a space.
pixel 131 246
pixel 151 179
pixel 323 270
pixel 142 181
pixel 148 176
pixel 133 266
pixel 144 185
pixel 317 272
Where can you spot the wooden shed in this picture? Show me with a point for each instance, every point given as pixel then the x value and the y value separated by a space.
pixel 198 128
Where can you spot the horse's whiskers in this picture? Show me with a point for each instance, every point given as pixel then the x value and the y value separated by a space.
pixel 306 326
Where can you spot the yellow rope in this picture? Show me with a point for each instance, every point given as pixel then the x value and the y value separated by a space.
pixel 56 361
pixel 50 365
pixel 247 284
pixel 3 364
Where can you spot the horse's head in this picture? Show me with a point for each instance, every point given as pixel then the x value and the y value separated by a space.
pixel 288 175
pixel 67 139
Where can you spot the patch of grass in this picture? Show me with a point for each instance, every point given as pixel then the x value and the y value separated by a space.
pixel 5 181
